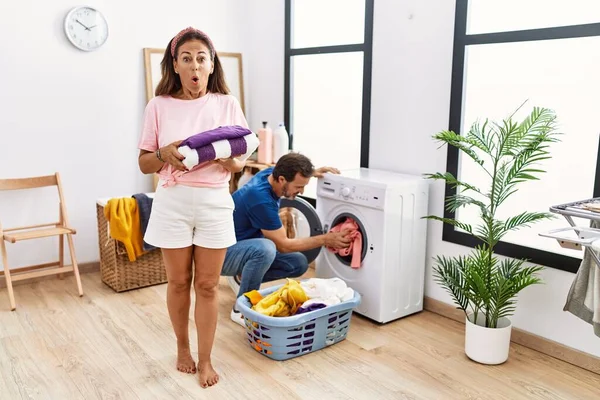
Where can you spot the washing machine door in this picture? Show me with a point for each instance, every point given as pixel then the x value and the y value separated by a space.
pixel 301 220
pixel 338 215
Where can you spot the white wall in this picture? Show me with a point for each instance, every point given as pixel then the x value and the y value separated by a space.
pixel 412 63
pixel 80 113
pixel 265 63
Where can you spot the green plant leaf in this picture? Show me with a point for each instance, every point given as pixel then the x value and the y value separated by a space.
pixel 455 202
pixel 449 273
pixel 479 137
pixel 460 142
pixel 452 181
pixel 451 221
pixel 490 231
pixel 525 219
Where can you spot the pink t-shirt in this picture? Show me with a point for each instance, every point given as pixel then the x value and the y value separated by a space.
pixel 167 119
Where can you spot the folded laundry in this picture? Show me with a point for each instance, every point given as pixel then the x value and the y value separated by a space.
pixel 221 142
pixel 355 248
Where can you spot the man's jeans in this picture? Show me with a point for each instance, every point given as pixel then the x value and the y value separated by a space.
pixel 259 261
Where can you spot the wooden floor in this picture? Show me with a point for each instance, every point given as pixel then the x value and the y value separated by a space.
pixel 120 346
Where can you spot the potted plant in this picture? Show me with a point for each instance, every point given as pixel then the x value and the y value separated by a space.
pixel 482 285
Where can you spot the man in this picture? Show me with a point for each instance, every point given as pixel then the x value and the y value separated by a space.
pixel 263 251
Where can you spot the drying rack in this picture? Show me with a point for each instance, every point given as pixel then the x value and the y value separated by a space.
pixel 587 209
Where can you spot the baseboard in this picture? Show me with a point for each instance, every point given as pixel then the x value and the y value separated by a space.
pixel 84 268
pixel 524 338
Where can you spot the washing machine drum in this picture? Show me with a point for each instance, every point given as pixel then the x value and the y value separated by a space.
pixel 301 220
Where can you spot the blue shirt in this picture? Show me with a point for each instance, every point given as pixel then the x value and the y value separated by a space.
pixel 256 207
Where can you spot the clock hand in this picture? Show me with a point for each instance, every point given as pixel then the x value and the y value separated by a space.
pixel 92 26
pixel 82 25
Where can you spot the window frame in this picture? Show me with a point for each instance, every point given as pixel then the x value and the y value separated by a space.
pixel 461 41
pixel 366 47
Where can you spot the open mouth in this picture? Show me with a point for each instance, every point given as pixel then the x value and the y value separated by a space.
pixel 195 79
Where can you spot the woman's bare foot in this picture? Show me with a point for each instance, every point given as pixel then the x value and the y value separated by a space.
pixel 207 375
pixel 185 362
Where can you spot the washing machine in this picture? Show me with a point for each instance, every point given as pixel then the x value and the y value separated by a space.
pixel 387 208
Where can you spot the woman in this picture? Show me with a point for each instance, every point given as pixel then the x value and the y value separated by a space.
pixel 191 219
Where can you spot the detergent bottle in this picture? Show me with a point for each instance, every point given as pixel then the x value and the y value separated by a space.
pixel 281 142
pixel 265 148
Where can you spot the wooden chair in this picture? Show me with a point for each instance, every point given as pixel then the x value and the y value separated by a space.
pixel 60 229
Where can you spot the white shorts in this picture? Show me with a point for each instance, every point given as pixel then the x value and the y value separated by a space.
pixel 184 215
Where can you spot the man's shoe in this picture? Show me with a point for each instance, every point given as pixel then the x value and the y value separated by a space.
pixel 234 284
pixel 237 317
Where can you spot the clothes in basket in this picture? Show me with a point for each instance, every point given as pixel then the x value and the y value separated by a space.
pixel 295 296
pixel 282 338
pixel 282 303
pixel 326 291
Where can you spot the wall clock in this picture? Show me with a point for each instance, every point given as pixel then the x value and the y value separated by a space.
pixel 86 28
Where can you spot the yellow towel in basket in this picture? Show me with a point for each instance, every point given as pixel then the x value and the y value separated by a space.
pixel 124 220
pixel 284 302
pixel 253 296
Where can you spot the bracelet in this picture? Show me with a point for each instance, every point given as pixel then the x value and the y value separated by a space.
pixel 158 155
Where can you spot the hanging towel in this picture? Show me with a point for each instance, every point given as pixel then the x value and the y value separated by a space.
pixel 583 299
pixel 222 142
pixel 355 248
pixel 124 221
pixel 284 302
pixel 144 204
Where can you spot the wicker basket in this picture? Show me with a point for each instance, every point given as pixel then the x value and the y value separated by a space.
pixel 115 268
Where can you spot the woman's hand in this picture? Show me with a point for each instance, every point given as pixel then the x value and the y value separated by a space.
pixel 232 165
pixel 172 156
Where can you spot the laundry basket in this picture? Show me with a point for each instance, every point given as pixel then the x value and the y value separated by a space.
pixel 117 271
pixel 282 338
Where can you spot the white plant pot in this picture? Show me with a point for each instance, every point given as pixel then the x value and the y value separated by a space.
pixel 487 345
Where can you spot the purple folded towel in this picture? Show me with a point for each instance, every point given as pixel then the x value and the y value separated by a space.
pixel 221 133
pixel 222 142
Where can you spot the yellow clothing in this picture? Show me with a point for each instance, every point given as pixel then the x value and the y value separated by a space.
pixel 284 302
pixel 254 296
pixel 124 221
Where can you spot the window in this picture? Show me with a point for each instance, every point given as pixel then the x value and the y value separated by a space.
pixel 509 52
pixel 328 81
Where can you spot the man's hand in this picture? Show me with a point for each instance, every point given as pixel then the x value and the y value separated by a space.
pixel 319 172
pixel 338 240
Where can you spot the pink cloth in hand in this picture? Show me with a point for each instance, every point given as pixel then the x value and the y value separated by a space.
pixel 355 248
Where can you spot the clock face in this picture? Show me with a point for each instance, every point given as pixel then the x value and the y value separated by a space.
pixel 86 28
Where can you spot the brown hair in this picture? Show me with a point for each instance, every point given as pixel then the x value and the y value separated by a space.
pixel 291 164
pixel 170 83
